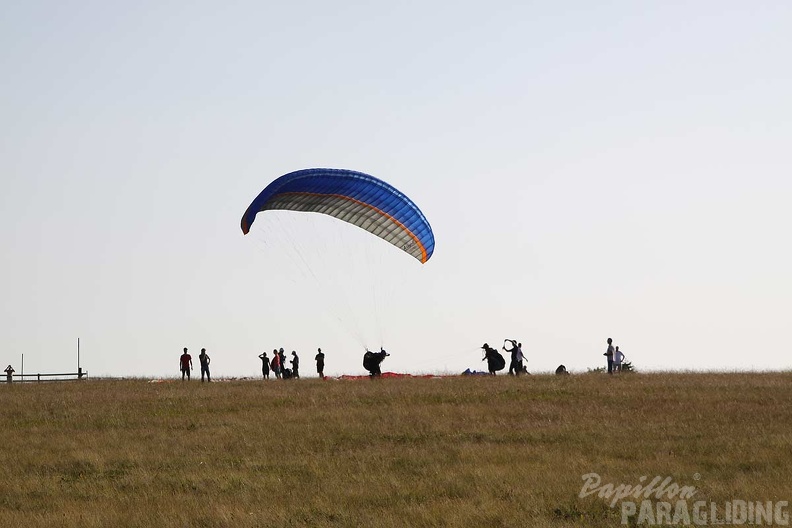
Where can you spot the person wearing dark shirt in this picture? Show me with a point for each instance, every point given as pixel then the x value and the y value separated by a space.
pixel 609 354
pixel 516 363
pixel 493 358
pixel 282 360
pixel 295 365
pixel 185 364
pixel 265 367
pixel 320 363
pixel 205 360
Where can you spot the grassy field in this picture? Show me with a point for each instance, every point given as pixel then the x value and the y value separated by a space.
pixel 392 452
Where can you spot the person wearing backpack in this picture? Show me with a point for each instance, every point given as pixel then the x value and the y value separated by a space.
pixel 372 360
pixel 495 361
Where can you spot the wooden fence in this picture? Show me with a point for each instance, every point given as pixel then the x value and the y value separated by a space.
pixel 28 378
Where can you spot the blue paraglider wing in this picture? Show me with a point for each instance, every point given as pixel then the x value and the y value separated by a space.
pixel 353 197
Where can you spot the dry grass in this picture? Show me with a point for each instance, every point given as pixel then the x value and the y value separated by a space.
pixel 401 452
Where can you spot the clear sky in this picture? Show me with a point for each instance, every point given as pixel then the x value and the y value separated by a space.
pixel 591 170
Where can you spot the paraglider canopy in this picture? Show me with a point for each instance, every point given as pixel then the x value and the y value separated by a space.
pixel 354 197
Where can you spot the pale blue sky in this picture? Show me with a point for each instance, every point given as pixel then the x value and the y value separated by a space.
pixel 590 170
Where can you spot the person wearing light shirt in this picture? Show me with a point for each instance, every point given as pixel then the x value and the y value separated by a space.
pixel 618 357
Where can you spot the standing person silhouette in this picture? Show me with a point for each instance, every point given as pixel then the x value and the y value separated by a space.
pixel 295 365
pixel 185 364
pixel 516 363
pixel 521 369
pixel 320 363
pixel 618 358
pixel 609 354
pixel 265 367
pixel 205 360
pixel 282 361
pixel 276 364
pixel 513 352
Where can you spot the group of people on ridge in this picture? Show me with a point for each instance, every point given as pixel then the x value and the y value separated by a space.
pixel 277 364
pixel 496 362
pixel 372 360
pixel 185 364
pixel 614 356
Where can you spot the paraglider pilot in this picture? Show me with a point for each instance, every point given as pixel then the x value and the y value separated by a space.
pixel 372 360
pixel 495 361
